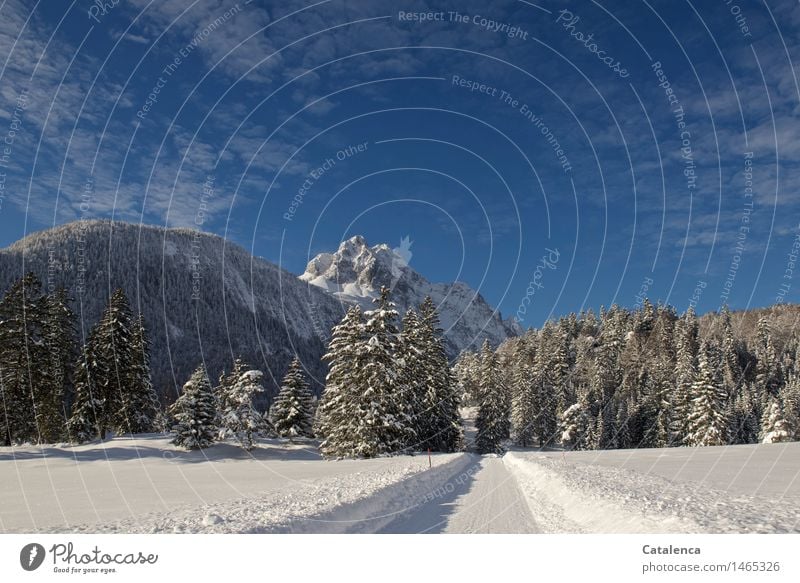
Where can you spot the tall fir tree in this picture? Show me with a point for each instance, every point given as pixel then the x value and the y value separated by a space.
pixel 292 412
pixel 524 410
pixel 60 340
pixel 195 413
pixel 685 373
pixel 776 427
pixel 385 407
pixel 88 402
pixel 140 408
pixel 707 422
pixel 24 376
pixel 237 415
pixel 337 422
pixel 441 400
pixel 492 422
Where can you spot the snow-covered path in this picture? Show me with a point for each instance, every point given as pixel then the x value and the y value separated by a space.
pixel 493 504
pixel 472 494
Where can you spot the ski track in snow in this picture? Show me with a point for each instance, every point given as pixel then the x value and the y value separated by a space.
pixel 577 497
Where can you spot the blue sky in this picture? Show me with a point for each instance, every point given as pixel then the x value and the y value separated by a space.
pixel 373 119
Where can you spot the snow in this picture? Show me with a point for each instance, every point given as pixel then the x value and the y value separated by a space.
pixel 143 485
pixel 356 272
pixel 730 489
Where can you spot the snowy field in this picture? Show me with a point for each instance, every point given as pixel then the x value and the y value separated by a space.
pixel 146 485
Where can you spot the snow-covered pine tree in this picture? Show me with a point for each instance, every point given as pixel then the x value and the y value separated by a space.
pixel 195 413
pixel 555 370
pixel 239 418
pixel 547 370
pixel 441 399
pixel 790 395
pixel 413 378
pixel 731 370
pixel 775 427
pixel 338 422
pixel 59 338
pixel 707 422
pixel 113 363
pixel 574 426
pixel 492 422
pixel 292 412
pixel 744 424
pixel 524 394
pixel 385 407
pixel 140 409
pixel 82 425
pixel 685 373
pixel 24 379
pixel 768 370
pixel 467 372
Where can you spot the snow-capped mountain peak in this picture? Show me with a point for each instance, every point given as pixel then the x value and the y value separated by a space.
pixel 356 272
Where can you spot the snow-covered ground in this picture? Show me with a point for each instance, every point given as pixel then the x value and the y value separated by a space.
pixel 145 485
pixel 750 488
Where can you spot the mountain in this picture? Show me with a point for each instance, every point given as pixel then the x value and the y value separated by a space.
pixel 356 272
pixel 204 299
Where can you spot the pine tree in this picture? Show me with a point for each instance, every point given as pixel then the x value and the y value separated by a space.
pixel 744 424
pixel 292 412
pixel 768 370
pixel 685 373
pixel 195 413
pixel 441 399
pixel 524 411
pixel 237 416
pixel 492 422
pixel 385 408
pixel 28 399
pixel 105 372
pixel 707 422
pixel 59 339
pixel 546 369
pixel 140 409
pixel 338 423
pixel 413 378
pixel 731 370
pixel 775 428
pixel 82 425
pixel 575 426
pixel 467 374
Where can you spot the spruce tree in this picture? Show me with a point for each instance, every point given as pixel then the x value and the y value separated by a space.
pixel 524 411
pixel 492 422
pixel 140 409
pixel 775 427
pixel 547 372
pixel 707 422
pixel 414 380
pixel 768 370
pixel 112 363
pixel 195 413
pixel 338 423
pixel 685 373
pixel 28 397
pixel 384 406
pixel 441 400
pixel 87 404
pixel 237 416
pixel 574 426
pixel 292 412
pixel 59 339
